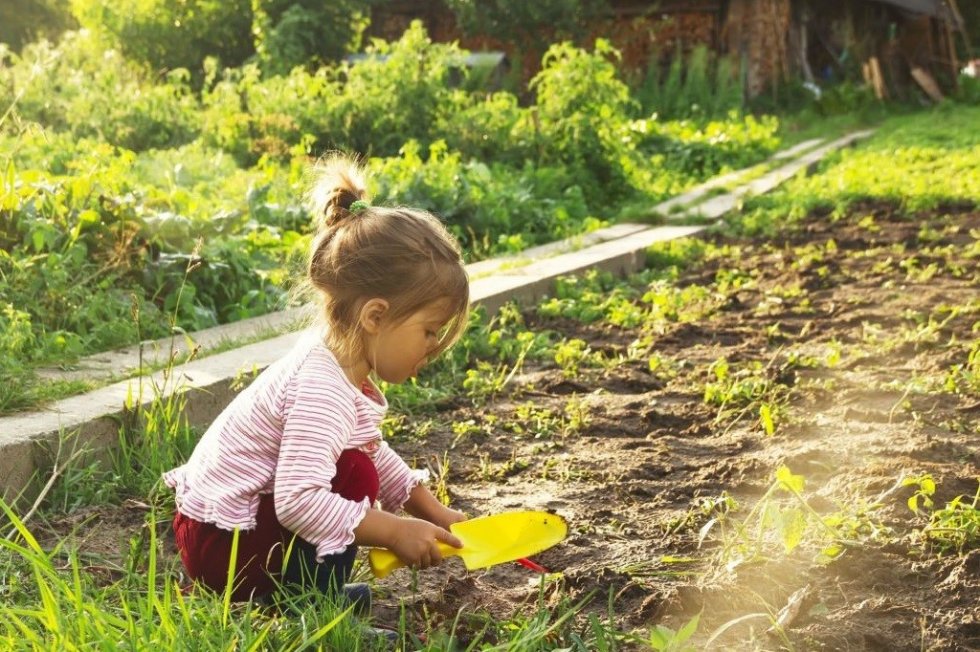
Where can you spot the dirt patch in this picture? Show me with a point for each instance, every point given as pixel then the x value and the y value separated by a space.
pixel 896 298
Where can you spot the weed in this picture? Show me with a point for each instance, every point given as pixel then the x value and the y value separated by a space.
pixel 664 639
pixel 470 428
pixel 440 475
pixel 571 355
pixel 67 606
pixel 964 378
pixel 955 526
pixel 488 470
pixel 784 523
pixel 755 386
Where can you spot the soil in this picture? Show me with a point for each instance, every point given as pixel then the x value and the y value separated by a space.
pixel 637 482
pixel 630 483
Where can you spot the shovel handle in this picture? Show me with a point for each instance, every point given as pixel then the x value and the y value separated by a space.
pixel 383 561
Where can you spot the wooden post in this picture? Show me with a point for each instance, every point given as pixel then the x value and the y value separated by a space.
pixel 877 81
pixel 962 24
pixel 951 48
pixel 927 84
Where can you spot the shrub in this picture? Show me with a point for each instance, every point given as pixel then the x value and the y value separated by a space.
pixel 76 87
pixel 491 208
pixel 309 32
pixel 396 93
pixel 249 117
pixel 700 86
pixel 492 128
pixel 582 108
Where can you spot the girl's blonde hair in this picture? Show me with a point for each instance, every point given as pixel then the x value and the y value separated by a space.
pixel 402 255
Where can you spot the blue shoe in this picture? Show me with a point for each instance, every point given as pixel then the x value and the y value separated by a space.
pixel 387 639
pixel 358 594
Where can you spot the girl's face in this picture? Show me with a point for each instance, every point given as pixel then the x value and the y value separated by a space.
pixel 401 350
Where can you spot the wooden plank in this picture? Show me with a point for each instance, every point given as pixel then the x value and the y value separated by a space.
pixel 877 81
pixel 927 84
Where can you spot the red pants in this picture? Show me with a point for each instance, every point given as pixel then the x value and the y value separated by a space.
pixel 205 548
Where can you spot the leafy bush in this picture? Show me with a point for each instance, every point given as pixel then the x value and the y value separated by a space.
pixel 492 128
pixel 374 106
pixel 76 87
pixel 83 242
pixel 582 106
pixel 396 93
pixel 700 149
pixel 290 33
pixel 250 117
pixel 491 208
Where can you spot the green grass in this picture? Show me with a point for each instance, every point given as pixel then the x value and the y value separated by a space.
pixel 916 162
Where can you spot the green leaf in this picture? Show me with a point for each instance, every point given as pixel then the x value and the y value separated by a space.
pixel 765 416
pixel 792 524
pixel 37 239
pixel 913 503
pixel 660 637
pixel 687 631
pixel 789 480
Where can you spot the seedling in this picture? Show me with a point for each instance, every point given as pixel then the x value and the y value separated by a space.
pixel 664 639
pixel 953 527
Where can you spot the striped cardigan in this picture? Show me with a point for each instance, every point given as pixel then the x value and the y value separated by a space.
pixel 283 435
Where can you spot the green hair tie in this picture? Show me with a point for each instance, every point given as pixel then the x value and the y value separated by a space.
pixel 358 206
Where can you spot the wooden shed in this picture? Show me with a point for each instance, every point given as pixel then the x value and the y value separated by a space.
pixel 895 44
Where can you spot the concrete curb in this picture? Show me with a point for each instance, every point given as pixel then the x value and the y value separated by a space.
pixel 29 442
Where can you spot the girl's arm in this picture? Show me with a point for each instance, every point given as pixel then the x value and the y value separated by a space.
pixel 422 504
pixel 411 539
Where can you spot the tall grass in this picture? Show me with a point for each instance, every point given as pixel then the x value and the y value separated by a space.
pixel 696 86
pixel 56 603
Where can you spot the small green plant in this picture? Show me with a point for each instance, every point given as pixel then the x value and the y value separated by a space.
pixel 954 527
pixel 441 479
pixel 576 416
pixel 488 470
pixel 964 378
pixel 665 639
pixel 925 488
pixel 533 421
pixel 470 428
pixel 754 386
pixel 783 518
pixel 572 354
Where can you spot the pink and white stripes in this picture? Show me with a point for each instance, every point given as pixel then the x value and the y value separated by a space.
pixel 283 435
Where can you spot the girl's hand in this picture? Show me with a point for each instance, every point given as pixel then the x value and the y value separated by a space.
pixel 415 540
pixel 448 516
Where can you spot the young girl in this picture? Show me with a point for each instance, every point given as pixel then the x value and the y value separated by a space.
pixel 297 462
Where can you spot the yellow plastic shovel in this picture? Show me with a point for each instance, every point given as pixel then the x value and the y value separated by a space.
pixel 489 540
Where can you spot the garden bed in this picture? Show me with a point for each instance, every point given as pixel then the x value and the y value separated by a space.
pixel 856 336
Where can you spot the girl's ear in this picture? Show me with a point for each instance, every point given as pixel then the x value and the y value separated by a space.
pixel 372 315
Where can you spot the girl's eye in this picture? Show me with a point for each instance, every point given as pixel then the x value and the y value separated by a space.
pixel 431 334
